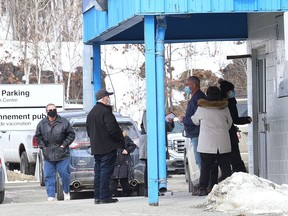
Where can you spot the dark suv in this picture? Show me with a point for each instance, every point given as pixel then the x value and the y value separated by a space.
pixel 82 162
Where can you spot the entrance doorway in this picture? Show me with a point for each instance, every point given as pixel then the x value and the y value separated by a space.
pixel 261 126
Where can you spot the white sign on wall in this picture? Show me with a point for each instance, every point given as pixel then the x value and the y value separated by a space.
pixel 23 106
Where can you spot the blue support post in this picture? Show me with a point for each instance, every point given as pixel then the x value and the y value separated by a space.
pixel 96 68
pixel 151 107
pixel 160 35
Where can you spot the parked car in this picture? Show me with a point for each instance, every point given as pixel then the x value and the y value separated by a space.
pixel 192 172
pixel 2 180
pixel 82 162
pixel 176 143
pixel 19 151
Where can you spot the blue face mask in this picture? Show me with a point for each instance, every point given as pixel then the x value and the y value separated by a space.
pixel 231 94
pixel 187 90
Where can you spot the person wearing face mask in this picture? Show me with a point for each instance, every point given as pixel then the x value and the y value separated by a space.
pixel 192 130
pixel 228 92
pixel 105 138
pixel 54 134
pixel 192 87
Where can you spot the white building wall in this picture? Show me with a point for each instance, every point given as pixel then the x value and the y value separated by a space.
pixel 266 31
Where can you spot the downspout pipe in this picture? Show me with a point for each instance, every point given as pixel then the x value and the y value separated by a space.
pixel 160 77
pixel 96 81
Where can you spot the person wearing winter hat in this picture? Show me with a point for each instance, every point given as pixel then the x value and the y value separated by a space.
pixel 214 117
pixel 228 92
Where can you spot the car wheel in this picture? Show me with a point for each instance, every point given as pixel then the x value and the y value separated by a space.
pixel 59 189
pixel 41 171
pixel 191 187
pixel 190 184
pixel 25 166
pixel 24 163
pixel 2 195
pixel 186 168
pixel 141 190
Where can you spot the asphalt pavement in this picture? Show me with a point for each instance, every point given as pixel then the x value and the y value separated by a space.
pixel 27 199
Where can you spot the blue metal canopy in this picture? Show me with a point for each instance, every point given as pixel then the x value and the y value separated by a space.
pixel 193 27
pixel 187 20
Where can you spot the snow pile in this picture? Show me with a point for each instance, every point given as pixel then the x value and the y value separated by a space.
pixel 16 176
pixel 243 193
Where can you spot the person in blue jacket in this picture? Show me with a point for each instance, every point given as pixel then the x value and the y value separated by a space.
pixel 192 87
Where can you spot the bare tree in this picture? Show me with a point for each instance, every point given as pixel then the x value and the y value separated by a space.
pixel 46 30
pixel 237 74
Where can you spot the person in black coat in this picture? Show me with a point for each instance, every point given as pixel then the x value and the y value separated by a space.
pixel 228 92
pixel 54 134
pixel 122 168
pixel 105 138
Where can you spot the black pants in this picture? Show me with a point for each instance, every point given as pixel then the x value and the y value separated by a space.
pixel 207 163
pixel 236 160
pixel 126 189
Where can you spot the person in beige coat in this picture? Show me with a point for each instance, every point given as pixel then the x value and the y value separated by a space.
pixel 215 120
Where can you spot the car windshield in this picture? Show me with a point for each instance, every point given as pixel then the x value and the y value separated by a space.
pixel 80 133
pixel 178 127
pixel 82 136
pixel 129 129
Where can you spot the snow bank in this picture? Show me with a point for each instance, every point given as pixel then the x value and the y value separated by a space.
pixel 243 193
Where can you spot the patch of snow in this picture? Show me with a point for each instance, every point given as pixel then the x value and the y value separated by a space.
pixel 16 176
pixel 244 193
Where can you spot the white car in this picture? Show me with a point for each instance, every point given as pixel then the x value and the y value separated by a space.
pixel 176 143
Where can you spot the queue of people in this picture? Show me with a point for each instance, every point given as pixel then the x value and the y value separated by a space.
pixel 215 120
pixel 208 122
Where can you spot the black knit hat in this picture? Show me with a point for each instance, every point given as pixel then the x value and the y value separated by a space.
pixel 213 93
pixel 225 86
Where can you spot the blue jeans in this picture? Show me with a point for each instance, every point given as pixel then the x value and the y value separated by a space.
pixel 103 169
pixel 194 142
pixel 63 168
